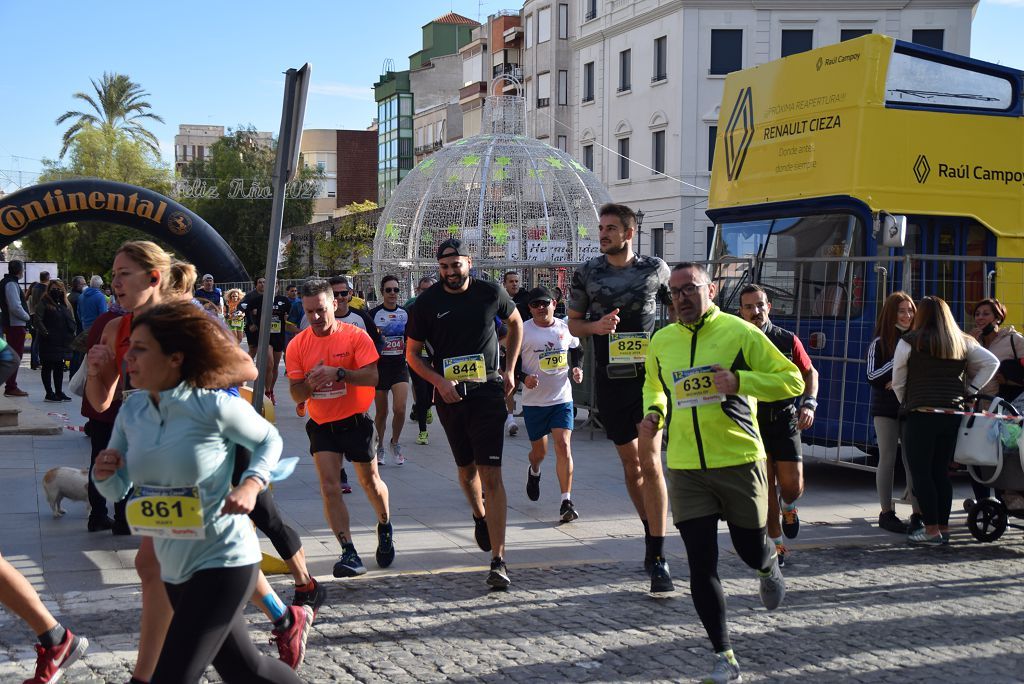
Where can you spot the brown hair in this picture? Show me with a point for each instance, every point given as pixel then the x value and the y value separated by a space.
pixel 998 310
pixel 886 328
pixel 935 332
pixel 625 214
pixel 204 343
pixel 182 280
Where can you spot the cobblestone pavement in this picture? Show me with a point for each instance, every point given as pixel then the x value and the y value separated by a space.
pixel 883 613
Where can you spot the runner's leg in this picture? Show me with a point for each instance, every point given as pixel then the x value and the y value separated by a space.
pixel 328 467
pixel 497 507
pixel 399 402
pixel 156 611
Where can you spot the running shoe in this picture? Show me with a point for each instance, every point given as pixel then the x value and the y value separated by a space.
pixel 300 409
pixel 313 598
pixel 532 484
pixel 396 455
pixel 483 537
pixel 497 578
pixel 52 662
pixel 890 522
pixel 920 537
pixel 382 454
pixel 291 642
pixel 430 416
pixel 511 427
pixel 51 397
pixel 661 580
pixel 349 565
pixel 423 439
pixel 726 670
pixel 385 545
pixel 780 551
pixel 790 523
pixel 915 523
pixel 773 587
pixel 567 513
pixel 63 397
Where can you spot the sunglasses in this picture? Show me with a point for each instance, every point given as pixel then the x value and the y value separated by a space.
pixel 391 290
pixel 343 293
pixel 540 304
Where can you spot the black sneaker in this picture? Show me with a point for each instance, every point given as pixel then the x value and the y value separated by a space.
pixel 568 511
pixel 51 397
pixel 483 537
pixel 791 523
pixel 890 522
pixel 349 565
pixel 314 598
pixel 385 545
pixel 915 523
pixel 98 524
pixel 532 484
pixel 497 578
pixel 64 397
pixel 661 580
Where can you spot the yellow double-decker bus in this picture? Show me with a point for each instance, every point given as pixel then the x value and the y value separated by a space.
pixel 844 173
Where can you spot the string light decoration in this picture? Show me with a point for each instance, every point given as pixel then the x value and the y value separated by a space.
pixel 513 201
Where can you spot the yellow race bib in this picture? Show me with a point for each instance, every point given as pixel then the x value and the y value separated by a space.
pixel 275 327
pixel 554 362
pixel 628 347
pixel 469 368
pixel 696 386
pixel 166 512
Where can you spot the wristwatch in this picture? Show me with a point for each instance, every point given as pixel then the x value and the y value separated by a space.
pixel 341 375
pixel 809 402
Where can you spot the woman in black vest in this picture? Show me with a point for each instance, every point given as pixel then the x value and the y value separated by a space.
pixel 935 366
pixel 896 318
pixel 56 328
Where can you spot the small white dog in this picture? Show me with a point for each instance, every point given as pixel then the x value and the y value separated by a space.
pixel 65 483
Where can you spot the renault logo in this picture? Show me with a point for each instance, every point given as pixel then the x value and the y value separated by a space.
pixel 739 133
pixel 922 168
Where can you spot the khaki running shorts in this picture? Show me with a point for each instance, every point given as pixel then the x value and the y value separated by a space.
pixel 739 494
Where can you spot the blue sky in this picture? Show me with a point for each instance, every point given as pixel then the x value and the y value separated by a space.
pixel 220 63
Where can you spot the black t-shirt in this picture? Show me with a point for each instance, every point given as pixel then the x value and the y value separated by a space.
pixel 522 302
pixel 252 305
pixel 460 324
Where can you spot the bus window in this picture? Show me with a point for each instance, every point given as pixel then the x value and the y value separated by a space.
pixel 804 263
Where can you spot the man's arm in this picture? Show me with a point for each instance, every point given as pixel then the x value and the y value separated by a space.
pixel 14 307
pixel 580 327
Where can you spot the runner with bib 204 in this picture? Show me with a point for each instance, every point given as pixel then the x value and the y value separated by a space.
pixel 615 298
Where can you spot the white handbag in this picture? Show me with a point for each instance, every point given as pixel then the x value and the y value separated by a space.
pixel 77 383
pixel 977 439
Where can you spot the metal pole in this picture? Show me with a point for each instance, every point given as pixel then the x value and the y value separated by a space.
pixel 285 167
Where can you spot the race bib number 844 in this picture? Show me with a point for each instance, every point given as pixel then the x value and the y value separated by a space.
pixel 469 368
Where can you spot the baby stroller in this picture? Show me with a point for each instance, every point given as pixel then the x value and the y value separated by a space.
pixel 989 445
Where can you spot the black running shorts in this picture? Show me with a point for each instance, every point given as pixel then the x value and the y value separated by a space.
pixel 352 437
pixel 619 405
pixel 390 374
pixel 781 437
pixel 475 426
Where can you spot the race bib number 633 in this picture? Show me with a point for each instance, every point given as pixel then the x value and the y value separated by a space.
pixel 696 386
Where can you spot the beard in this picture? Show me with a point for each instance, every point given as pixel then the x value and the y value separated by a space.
pixel 455 282
pixel 610 249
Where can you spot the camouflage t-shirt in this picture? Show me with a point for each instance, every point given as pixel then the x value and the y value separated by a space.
pixel 598 288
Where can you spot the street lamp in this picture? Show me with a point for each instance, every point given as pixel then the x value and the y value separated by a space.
pixel 639 231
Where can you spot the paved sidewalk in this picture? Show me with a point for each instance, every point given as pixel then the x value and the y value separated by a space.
pixel 862 606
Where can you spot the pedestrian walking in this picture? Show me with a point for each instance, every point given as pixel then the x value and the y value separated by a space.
pixel 55 327
pixel 16 320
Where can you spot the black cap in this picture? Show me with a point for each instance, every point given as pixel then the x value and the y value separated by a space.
pixel 451 247
pixel 539 293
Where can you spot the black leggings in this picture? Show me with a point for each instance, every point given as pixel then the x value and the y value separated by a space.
pixel 929 441
pixel 53 377
pixel 208 627
pixel 265 515
pixel 700 536
pixel 423 398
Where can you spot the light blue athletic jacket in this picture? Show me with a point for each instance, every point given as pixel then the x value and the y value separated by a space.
pixel 189 440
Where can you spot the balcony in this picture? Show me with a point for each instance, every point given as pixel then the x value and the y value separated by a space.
pixel 543 102
pixel 508 69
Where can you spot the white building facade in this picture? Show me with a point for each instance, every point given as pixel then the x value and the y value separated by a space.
pixel 647 79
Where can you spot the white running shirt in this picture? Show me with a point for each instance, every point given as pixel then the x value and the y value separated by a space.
pixel 542 353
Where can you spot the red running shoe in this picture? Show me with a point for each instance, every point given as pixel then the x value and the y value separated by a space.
pixel 291 643
pixel 52 662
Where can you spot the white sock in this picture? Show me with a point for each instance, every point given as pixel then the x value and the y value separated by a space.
pixel 565 496
pixel 535 473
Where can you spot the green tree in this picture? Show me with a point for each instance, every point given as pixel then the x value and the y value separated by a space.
pixel 118 104
pixel 96 152
pixel 237 164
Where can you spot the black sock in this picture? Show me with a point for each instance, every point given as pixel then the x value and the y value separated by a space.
pixel 284 622
pixel 655 546
pixel 647 528
pixel 52 637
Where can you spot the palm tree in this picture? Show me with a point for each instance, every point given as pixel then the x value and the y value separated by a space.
pixel 118 104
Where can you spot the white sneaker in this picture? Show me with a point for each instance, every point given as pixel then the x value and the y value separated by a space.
pixel 396 454
pixel 382 454
pixel 511 427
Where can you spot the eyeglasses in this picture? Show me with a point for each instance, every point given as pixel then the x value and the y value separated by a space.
pixel 343 293
pixel 540 304
pixel 391 290
pixel 687 290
